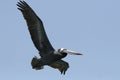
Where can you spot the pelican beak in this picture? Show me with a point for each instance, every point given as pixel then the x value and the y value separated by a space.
pixel 71 52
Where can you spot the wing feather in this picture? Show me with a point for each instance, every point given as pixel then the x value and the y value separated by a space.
pixel 61 65
pixel 36 28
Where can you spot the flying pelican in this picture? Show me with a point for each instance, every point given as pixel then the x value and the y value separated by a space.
pixel 49 56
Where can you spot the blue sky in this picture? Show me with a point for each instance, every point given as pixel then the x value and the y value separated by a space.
pixel 91 27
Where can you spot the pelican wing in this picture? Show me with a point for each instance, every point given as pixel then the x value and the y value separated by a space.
pixel 36 28
pixel 61 65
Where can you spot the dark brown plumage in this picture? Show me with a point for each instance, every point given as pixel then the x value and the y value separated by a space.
pixel 48 55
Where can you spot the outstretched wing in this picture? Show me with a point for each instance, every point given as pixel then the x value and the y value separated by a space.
pixel 36 28
pixel 61 65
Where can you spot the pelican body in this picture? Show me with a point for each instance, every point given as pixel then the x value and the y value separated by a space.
pixel 49 56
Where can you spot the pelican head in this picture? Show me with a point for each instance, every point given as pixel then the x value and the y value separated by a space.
pixel 63 50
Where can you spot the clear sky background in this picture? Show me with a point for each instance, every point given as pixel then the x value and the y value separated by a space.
pixel 91 27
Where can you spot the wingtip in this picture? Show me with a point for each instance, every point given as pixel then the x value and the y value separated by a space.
pixel 21 2
pixel 21 5
pixel 63 72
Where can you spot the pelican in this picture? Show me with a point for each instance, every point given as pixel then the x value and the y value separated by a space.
pixel 49 56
